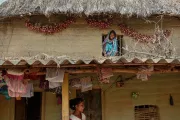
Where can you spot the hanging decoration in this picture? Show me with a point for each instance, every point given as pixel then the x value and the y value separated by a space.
pixel 101 22
pixel 130 32
pixel 159 45
pixel 50 28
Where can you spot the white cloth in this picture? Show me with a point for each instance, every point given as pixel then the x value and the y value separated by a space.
pixel 86 84
pixel 75 83
pixel 15 71
pixel 30 91
pixel 55 77
pixel 54 85
pixel 73 117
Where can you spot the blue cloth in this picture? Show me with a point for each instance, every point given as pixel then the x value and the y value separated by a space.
pixel 110 47
pixel 4 90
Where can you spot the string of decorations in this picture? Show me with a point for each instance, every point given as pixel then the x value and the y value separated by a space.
pixel 130 32
pixel 101 22
pixel 49 28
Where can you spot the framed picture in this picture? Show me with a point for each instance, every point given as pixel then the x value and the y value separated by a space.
pixel 111 44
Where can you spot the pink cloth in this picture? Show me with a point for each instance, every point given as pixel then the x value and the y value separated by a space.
pixel 16 88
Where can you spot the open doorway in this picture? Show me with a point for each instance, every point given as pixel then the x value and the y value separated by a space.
pixel 93 107
pixel 29 108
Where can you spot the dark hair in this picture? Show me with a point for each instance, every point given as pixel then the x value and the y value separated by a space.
pixel 74 102
pixel 112 31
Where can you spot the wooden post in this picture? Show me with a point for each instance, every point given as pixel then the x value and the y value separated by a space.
pixel 65 97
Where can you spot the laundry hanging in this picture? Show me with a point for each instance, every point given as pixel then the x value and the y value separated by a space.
pixel 44 84
pixel 14 81
pixel 55 77
pixel 29 91
pixel 105 74
pixel 86 84
pixel 75 83
pixel 144 73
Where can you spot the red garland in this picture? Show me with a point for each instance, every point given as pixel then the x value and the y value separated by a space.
pixel 101 24
pixel 138 36
pixel 49 28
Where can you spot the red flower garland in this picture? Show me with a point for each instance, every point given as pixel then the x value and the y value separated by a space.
pixel 138 36
pixel 49 28
pixel 101 24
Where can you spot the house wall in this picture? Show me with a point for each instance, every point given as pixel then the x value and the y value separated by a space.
pixel 51 110
pixel 117 102
pixel 120 106
pixel 77 40
pixel 6 108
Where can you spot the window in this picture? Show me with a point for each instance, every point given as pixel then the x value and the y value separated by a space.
pixel 108 50
pixel 146 112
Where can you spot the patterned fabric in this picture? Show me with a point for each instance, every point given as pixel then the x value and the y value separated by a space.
pixel 105 74
pixel 29 91
pixel 44 84
pixel 55 77
pixel 110 47
pixel 15 84
pixel 144 73
pixel 54 74
pixel 75 83
pixel 57 90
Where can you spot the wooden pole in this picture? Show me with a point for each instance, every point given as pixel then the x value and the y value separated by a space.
pixel 65 97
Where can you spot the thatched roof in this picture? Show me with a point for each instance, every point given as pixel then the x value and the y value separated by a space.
pixel 125 7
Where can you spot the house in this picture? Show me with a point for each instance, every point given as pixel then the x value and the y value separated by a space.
pixel 69 34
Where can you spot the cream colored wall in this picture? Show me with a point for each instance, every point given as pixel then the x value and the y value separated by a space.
pixel 6 108
pixel 77 40
pixel 120 106
pixel 51 109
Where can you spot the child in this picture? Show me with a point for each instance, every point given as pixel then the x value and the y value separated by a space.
pixel 77 105
pixel 110 46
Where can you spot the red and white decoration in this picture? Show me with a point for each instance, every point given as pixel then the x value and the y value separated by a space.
pixel 130 32
pixel 49 28
pixel 102 23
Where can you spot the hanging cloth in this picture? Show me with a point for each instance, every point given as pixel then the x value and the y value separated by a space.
pixel 75 83
pixel 105 74
pixel 29 91
pixel 54 74
pixel 144 73
pixel 31 76
pixel 86 84
pixel 44 84
pixel 55 77
pixel 17 72
pixel 15 84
